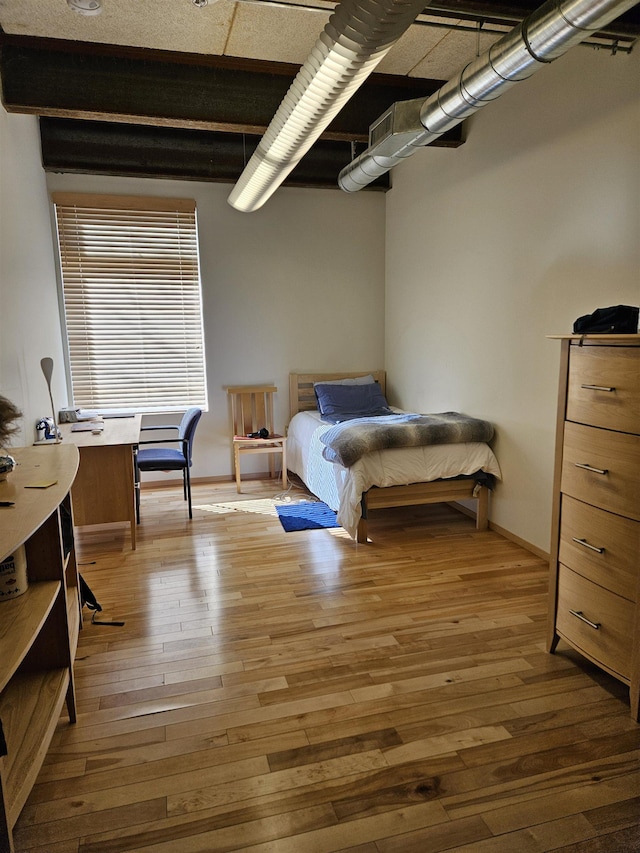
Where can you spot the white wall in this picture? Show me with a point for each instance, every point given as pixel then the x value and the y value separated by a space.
pixel 28 296
pixel 533 222
pixel 298 285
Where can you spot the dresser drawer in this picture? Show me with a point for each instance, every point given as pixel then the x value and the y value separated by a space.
pixel 601 546
pixel 608 639
pixel 603 387
pixel 602 468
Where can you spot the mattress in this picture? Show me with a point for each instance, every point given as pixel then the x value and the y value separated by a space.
pixel 342 488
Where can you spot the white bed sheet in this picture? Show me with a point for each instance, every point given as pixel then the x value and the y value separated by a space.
pixel 342 488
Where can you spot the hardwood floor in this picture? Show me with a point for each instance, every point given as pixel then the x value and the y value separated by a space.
pixel 281 692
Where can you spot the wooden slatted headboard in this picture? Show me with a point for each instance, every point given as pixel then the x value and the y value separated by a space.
pixel 301 394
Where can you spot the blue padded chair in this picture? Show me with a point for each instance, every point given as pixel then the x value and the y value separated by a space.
pixel 169 458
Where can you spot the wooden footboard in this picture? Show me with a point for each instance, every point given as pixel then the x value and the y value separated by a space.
pixel 416 494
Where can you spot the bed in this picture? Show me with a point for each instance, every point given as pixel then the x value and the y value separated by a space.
pixel 398 476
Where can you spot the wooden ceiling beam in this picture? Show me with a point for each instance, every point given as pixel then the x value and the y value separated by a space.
pixel 104 148
pixel 125 111
pixel 94 82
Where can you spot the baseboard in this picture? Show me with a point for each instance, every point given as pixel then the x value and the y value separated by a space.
pixel 172 482
pixel 229 478
pixel 543 555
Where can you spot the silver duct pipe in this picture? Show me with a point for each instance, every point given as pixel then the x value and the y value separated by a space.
pixel 543 36
pixel 358 35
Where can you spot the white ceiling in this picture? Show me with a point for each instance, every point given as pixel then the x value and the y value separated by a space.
pixel 281 32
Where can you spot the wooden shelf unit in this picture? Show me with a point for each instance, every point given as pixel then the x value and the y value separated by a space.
pixel 38 629
pixel 595 542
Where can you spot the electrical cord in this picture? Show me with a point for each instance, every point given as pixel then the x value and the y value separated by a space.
pixel 286 496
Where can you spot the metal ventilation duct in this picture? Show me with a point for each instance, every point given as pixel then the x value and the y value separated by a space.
pixel 543 36
pixel 358 35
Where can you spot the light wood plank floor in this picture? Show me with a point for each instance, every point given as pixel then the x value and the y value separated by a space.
pixel 278 692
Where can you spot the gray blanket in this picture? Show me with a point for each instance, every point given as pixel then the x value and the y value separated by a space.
pixel 346 442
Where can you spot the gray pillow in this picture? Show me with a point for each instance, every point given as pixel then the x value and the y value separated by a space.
pixel 344 402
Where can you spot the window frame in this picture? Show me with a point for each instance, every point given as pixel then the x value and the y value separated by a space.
pixel 128 253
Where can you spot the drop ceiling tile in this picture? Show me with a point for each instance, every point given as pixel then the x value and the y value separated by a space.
pixel 230 27
pixel 412 47
pixel 162 24
pixel 452 53
pixel 280 35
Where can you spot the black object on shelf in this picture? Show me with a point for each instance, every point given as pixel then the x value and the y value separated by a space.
pixel 616 320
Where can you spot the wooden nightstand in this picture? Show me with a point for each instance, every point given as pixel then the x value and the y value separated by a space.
pixel 252 412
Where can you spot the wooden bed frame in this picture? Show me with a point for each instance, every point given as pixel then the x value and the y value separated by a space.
pixel 302 398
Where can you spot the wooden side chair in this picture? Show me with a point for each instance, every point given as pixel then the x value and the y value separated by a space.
pixel 252 415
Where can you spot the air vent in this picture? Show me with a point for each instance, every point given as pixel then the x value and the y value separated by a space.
pixel 382 128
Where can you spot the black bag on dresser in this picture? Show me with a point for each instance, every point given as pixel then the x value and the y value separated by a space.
pixel 617 320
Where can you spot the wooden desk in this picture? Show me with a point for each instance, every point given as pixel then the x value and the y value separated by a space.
pixel 104 488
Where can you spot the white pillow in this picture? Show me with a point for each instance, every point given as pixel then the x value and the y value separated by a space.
pixel 359 380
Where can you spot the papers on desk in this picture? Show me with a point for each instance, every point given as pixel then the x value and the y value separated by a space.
pixel 87 426
pixel 90 415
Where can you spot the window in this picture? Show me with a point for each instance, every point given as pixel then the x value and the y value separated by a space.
pixel 132 302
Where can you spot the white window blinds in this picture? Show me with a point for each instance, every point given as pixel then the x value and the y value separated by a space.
pixel 132 302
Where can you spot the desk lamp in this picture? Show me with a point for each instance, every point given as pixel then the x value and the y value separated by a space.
pixel 47 368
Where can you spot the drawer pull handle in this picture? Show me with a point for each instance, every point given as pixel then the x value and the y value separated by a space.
pixel 598 388
pixel 586 544
pixel 592 469
pixel 579 615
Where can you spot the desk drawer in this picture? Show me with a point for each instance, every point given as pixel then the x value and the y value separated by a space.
pixel 600 546
pixel 603 387
pixel 608 639
pixel 602 468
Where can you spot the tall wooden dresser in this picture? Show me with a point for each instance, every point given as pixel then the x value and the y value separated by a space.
pixel 595 539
